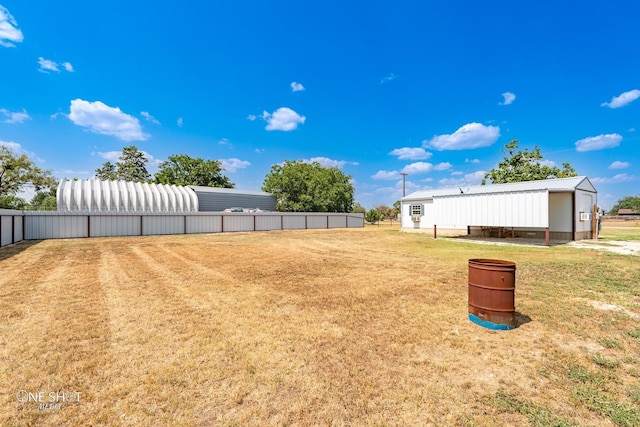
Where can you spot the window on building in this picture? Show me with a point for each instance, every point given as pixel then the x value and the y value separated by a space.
pixel 416 210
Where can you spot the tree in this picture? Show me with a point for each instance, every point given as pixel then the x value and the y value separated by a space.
pixel 358 208
pixel 131 166
pixel 18 172
pixel 181 169
pixel 372 216
pixel 628 202
pixel 309 187
pixel 525 165
pixel 383 211
pixel 107 172
pixel 44 201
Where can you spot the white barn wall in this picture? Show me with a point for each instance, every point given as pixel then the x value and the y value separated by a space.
pixel 561 212
pixel 584 203
pixel 48 225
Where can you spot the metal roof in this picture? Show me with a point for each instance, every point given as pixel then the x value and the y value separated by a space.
pixel 552 185
pixel 227 191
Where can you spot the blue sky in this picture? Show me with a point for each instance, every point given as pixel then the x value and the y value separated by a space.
pixel 432 89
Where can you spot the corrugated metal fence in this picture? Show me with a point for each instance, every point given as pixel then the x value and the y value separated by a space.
pixel 36 225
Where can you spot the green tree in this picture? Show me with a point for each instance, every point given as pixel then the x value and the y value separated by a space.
pixel 181 169
pixel 384 211
pixel 628 202
pixel 372 216
pixel 358 208
pixel 107 172
pixel 525 165
pixel 18 172
pixel 309 187
pixel 44 201
pixel 131 166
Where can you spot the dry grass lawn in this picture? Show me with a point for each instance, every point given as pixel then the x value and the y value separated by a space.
pixel 321 327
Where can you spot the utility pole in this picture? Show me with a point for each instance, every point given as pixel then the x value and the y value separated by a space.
pixel 404 180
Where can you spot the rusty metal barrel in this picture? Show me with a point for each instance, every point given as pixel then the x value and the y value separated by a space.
pixel 492 285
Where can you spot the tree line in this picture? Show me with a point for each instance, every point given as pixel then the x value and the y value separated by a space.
pixel 297 185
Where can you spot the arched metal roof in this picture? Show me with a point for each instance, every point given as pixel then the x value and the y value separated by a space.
pixel 121 196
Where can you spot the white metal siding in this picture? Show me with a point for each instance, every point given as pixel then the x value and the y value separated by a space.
pixel 338 222
pixel 55 226
pixel 162 224
pixel 314 221
pixel 517 209
pixel 561 212
pixel 238 223
pixel 264 223
pixel 204 224
pixel 355 221
pixel 108 225
pixel 6 230
pixel 291 222
pixel 584 203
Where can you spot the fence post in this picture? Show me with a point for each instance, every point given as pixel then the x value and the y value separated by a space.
pixel 546 236
pixel 88 225
pixel 141 225
pixel 435 231
pixel 185 224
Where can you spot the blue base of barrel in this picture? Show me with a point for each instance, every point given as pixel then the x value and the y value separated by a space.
pixel 489 325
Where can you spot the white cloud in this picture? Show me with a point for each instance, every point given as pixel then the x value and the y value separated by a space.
pixel 443 166
pixel 9 32
pixel 457 173
pixel 102 119
pixel 509 97
pixel 386 175
pixel 179 122
pixel 224 141
pixel 406 153
pixel 16 148
pixel 259 150
pixel 112 156
pixel 418 168
pixel 472 160
pixel 549 163
pixel 390 77
pixel 622 99
pixel 471 135
pixel 46 65
pixel 599 142
pixel 14 117
pixel 616 179
pixel 149 117
pixel 619 165
pixel 233 164
pixel 329 163
pixel 296 87
pixel 284 119
pixel 252 117
pixel 474 178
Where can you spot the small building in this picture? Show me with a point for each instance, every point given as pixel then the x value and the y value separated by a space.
pixel 559 209
pixel 628 212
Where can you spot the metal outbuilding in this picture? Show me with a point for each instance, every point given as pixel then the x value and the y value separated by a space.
pixel 213 199
pixel 561 209
pixel 121 196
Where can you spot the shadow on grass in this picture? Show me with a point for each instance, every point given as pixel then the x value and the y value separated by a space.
pixel 14 249
pixel 522 319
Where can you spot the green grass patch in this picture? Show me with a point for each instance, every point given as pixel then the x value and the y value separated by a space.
pixel 537 415
pixel 600 360
pixel 610 343
pixel 596 401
